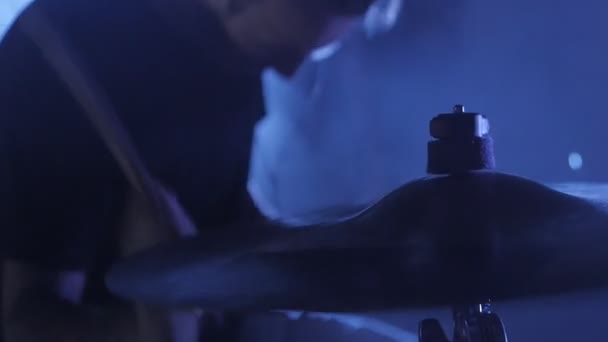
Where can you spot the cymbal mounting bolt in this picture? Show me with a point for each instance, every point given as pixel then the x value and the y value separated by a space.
pixel 461 143
pixel 459 109
pixel 485 308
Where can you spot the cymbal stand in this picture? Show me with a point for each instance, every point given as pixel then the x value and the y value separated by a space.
pixel 462 143
pixel 472 323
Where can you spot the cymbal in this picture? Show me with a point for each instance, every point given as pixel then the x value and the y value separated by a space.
pixel 590 190
pixel 433 242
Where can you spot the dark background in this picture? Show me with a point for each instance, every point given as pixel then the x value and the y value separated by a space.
pixel 536 68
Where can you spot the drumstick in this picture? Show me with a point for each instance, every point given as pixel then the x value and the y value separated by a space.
pixel 100 111
pixel 92 99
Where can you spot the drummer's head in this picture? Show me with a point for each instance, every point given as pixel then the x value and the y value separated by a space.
pixel 281 33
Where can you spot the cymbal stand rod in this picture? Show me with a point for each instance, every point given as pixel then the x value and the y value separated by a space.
pixel 467 321
pixel 472 323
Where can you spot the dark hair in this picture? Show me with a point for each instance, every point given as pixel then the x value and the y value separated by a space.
pixel 348 7
pixel 337 7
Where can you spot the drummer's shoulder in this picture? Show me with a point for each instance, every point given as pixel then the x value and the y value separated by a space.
pixel 16 46
pixel 80 23
pixel 53 10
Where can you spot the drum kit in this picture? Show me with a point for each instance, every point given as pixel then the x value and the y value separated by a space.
pixel 463 237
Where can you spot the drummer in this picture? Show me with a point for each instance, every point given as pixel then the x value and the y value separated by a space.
pixel 184 76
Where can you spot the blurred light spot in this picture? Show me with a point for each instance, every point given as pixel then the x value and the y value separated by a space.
pixel 325 52
pixel 575 160
pixel 381 17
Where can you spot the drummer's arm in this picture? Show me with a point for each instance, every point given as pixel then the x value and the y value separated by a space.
pixel 41 305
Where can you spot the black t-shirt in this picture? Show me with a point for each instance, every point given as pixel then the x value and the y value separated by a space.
pixel 188 99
